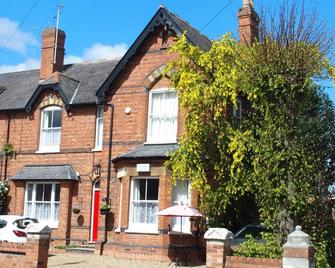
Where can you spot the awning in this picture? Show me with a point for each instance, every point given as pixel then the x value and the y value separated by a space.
pixel 46 173
pixel 146 151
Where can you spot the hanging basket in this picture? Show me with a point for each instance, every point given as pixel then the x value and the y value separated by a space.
pixel 75 210
pixel 104 211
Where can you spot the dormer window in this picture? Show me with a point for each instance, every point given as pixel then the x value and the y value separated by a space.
pixel 51 125
pixel 162 116
pixel 99 126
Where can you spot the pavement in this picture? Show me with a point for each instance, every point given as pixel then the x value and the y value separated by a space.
pixel 92 261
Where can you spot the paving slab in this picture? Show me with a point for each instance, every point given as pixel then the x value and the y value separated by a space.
pixel 91 261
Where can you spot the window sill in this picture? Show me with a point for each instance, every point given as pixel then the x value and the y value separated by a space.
pixel 117 230
pixel 48 151
pixel 160 142
pixel 97 149
pixel 179 233
pixel 138 230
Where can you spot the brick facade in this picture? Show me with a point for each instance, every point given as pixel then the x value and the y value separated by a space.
pixel 131 89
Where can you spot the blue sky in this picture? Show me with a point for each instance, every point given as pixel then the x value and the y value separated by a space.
pixel 105 29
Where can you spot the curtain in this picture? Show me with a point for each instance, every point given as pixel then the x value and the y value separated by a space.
pixel 163 117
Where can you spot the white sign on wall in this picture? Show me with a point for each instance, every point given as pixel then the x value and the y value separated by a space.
pixel 143 167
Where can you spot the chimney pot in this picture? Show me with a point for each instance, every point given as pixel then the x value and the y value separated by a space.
pixel 49 62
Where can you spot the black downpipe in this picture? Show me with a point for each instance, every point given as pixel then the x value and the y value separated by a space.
pixel 109 166
pixel 7 141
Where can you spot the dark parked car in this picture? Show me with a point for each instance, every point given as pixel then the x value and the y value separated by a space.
pixel 255 230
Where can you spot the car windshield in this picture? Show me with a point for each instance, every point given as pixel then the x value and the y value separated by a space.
pixel 253 230
pixel 24 223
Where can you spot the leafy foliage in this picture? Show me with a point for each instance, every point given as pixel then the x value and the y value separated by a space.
pixel 282 152
pixel 267 248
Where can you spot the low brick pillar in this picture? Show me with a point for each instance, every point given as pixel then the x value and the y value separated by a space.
pixel 217 247
pixel 38 239
pixel 298 250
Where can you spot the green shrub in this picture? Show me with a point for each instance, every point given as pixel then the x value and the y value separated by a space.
pixel 268 247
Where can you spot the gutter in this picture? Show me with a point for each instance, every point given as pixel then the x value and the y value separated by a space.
pixel 109 166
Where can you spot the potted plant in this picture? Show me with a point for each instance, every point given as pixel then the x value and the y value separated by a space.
pixel 104 210
pixel 8 149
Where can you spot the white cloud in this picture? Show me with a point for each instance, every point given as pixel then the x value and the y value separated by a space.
pixel 72 59
pixel 29 64
pixel 17 42
pixel 98 51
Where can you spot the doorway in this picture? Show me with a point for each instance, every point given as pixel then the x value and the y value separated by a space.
pixel 95 211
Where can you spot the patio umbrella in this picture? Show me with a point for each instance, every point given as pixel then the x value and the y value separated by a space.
pixel 180 211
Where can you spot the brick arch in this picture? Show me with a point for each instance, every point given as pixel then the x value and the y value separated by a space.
pixel 51 100
pixel 154 76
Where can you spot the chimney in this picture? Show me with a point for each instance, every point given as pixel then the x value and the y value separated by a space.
pixel 248 21
pixel 50 62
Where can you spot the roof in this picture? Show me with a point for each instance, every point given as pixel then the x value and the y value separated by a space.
pixel 79 83
pixel 162 17
pixel 148 151
pixel 46 173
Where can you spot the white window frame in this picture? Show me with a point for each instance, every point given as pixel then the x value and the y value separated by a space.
pixel 160 140
pixel 98 134
pixel 52 223
pixel 175 221
pixel 50 148
pixel 237 110
pixel 142 227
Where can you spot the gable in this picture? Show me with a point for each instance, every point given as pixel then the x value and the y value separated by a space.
pixel 165 18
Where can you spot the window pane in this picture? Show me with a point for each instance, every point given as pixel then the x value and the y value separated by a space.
pixel 56 212
pixel 39 192
pixel 43 211
pixel 47 192
pixel 47 117
pixel 57 192
pixel 29 192
pixel 142 186
pixel 28 210
pixel 100 111
pixel 152 192
pixel 163 116
pixel 57 118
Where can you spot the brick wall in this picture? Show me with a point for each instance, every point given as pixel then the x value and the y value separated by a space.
pixel 32 254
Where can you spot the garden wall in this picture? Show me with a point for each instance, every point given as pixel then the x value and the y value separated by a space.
pixel 32 254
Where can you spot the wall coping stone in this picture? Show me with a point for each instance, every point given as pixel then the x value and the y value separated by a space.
pixel 38 228
pixel 219 234
pixel 298 239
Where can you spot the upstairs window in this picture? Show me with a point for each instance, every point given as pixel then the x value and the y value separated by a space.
pixel 99 126
pixel 51 125
pixel 162 116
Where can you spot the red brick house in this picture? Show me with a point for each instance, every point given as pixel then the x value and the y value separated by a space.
pixel 90 134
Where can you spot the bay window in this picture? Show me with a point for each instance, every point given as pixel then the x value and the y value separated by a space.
pixel 162 116
pixel 42 202
pixel 99 127
pixel 51 122
pixel 144 204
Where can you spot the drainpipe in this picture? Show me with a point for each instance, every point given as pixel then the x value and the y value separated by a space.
pixel 7 141
pixel 109 166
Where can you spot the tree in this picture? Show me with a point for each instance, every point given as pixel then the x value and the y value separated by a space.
pixel 282 151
